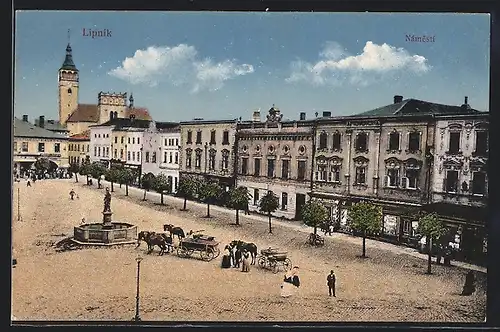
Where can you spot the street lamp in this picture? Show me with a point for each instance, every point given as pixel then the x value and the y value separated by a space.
pixel 137 318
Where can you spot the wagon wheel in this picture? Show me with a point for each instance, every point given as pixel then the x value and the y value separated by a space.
pixel 207 255
pixel 182 251
pixel 321 242
pixel 189 251
pixel 287 264
pixel 262 261
pixel 274 266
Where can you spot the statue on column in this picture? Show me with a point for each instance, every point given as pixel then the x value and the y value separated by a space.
pixel 107 201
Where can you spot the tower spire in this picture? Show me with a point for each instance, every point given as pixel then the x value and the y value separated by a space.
pixel 69 36
pixel 68 60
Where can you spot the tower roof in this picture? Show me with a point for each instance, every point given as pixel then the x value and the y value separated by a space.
pixel 68 60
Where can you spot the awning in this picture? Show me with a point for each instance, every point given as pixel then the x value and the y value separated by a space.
pixel 459 212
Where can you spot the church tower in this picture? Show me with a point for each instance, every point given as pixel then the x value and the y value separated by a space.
pixel 68 87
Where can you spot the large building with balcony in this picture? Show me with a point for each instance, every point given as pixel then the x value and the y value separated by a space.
pixel 208 150
pixel 32 142
pixel 276 155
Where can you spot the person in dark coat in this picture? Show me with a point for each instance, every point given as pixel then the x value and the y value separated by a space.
pixel 330 282
pixel 226 258
pixel 237 258
pixel 469 285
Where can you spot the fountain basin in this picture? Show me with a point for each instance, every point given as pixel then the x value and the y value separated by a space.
pixel 105 234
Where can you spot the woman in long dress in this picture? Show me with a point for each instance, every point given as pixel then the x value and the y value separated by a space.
pixel 291 283
pixel 226 258
pixel 245 261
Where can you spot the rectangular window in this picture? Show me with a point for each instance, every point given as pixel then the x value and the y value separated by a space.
pixel 153 158
pixel 256 197
pixel 414 142
pixel 188 160
pixel 176 142
pixel 301 170
pixel 197 159
pixel 129 140
pixel 107 151
pixel 189 137
pixel 412 176
pixel 133 156
pixel 244 166
pixel 24 147
pixel 256 169
pixel 170 158
pixel 176 158
pixel 122 139
pixel 361 142
pixel 225 137
pixel 284 201
pixel 451 181
pixel 335 171
pixel 322 176
pixel 57 147
pixel 454 144
pixel 394 141
pixel 284 168
pixel 139 156
pixel 41 147
pixel 481 143
pixel 360 175
pixel 147 156
pixel 116 139
pixel 212 137
pixel 165 142
pixel 392 177
pixel 336 141
pixel 323 140
pixel 138 140
pixel 128 155
pixel 270 168
pixel 198 137
pixel 479 183
pixel 121 153
pixel 95 151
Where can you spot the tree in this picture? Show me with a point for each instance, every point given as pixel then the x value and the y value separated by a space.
pixel 147 183
pixel 42 165
pixel 74 168
pixel 433 229
pixel 97 170
pixel 187 189
pixel 85 169
pixel 314 214
pixel 238 200
pixel 126 176
pixel 112 176
pixel 269 204
pixel 160 184
pixel 365 219
pixel 209 192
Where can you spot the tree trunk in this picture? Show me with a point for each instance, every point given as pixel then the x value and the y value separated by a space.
pixel 237 217
pixel 87 179
pixel 315 230
pixel 126 189
pixel 98 183
pixel 112 187
pixel 161 198
pixel 364 246
pixel 429 256
pixel 270 229
pixel 208 210
pixel 144 198
pixel 120 185
pixel 185 201
pixel 76 177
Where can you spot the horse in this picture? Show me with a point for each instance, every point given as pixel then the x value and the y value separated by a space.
pixel 168 241
pixel 156 240
pixel 250 247
pixel 143 235
pixel 174 230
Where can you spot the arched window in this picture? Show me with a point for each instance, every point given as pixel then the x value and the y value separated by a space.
pixel 69 91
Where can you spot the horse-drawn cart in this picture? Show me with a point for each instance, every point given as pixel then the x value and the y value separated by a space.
pixel 272 259
pixel 205 245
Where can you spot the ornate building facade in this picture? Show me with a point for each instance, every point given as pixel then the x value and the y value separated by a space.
pixel 276 155
pixel 208 150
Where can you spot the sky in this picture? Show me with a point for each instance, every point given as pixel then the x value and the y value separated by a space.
pixel 216 65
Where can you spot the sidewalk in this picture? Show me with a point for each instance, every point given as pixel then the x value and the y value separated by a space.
pixel 400 250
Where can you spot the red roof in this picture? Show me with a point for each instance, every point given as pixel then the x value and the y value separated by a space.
pixel 140 113
pixel 85 113
pixel 83 136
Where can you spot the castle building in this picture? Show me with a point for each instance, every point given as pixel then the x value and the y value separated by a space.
pixel 77 117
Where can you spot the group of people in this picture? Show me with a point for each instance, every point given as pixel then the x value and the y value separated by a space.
pixel 234 257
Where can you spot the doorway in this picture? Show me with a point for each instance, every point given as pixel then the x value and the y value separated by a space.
pixel 300 200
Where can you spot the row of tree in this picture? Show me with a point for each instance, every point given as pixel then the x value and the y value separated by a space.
pixel 364 219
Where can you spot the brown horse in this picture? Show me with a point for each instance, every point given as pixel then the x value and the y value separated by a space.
pixel 142 236
pixel 174 230
pixel 250 247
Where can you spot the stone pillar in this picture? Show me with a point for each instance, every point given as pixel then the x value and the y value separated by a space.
pixel 106 218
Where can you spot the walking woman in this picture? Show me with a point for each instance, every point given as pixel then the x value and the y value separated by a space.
pixel 291 283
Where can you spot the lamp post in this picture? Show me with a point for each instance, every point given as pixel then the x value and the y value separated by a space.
pixel 18 204
pixel 137 318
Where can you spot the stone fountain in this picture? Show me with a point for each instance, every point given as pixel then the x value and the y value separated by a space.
pixel 107 232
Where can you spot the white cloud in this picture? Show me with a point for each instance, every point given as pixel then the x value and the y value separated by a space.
pixel 335 66
pixel 178 65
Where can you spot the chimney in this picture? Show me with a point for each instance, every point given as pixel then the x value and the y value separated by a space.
pixel 327 114
pixel 398 99
pixel 41 121
pixel 466 100
pixel 25 118
pixel 302 115
pixel 256 116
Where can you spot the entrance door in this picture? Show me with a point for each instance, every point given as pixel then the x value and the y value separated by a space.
pixel 300 200
pixel 169 181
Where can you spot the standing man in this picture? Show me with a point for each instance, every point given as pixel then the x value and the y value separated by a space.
pixel 330 282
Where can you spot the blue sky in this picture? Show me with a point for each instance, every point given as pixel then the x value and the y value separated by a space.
pixel 182 65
